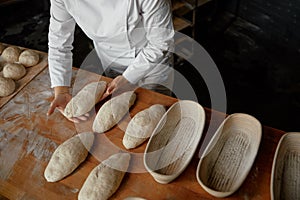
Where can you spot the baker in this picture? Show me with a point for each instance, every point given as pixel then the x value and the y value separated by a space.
pixel 132 38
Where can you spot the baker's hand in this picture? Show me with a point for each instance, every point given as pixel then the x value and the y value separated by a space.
pixel 61 99
pixel 116 84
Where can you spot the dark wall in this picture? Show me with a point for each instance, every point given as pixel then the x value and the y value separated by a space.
pixel 258 55
pixel 279 20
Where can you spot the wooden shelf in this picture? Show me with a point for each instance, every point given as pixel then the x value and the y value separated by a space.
pixel 180 23
pixel 6 2
pixel 176 4
pixel 182 7
pixel 202 2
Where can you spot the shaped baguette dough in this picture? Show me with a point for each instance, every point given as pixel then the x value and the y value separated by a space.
pixel 68 156
pixel 7 86
pixel 11 54
pixel 29 58
pixel 14 71
pixel 142 125
pixel 113 111
pixel 105 179
pixel 85 99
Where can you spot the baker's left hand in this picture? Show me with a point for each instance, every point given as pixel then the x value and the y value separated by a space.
pixel 117 84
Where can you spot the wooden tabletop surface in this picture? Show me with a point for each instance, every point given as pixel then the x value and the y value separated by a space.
pixel 28 138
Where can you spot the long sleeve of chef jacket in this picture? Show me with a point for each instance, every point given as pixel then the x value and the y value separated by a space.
pixel 142 29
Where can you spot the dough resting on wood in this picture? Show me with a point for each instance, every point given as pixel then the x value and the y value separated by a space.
pixel 85 99
pixel 113 111
pixel 29 58
pixel 68 156
pixel 11 54
pixel 7 86
pixel 105 179
pixel 14 71
pixel 142 125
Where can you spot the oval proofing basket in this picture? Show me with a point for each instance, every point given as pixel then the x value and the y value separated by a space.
pixel 174 141
pixel 285 179
pixel 229 156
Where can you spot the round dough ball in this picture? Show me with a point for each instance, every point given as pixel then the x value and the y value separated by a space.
pixel 7 86
pixel 11 54
pixel 29 58
pixel 14 71
pixel 2 47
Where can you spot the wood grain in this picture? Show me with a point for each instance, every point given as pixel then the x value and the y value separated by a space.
pixel 28 138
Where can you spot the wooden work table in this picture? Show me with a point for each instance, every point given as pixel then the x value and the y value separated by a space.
pixel 28 138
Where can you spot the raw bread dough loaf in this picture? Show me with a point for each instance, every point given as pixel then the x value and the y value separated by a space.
pixel 142 125
pixel 113 111
pixel 29 58
pixel 14 71
pixel 85 99
pixel 7 86
pixel 2 47
pixel 105 179
pixel 11 54
pixel 68 156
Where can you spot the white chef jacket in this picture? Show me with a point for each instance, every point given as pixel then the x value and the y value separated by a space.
pixel 130 36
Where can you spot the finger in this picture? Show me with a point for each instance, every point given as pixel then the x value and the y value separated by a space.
pixel 60 109
pixel 74 119
pixel 82 118
pixel 87 114
pixel 51 108
pixel 106 94
pixel 111 87
pixel 109 90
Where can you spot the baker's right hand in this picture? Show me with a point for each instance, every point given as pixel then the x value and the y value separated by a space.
pixel 60 101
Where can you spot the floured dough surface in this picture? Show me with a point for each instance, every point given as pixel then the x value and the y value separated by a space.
pixel 68 156
pixel 14 71
pixel 11 54
pixel 29 58
pixel 85 99
pixel 7 86
pixel 113 111
pixel 142 125
pixel 105 179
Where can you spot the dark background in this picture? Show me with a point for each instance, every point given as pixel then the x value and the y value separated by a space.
pixel 256 48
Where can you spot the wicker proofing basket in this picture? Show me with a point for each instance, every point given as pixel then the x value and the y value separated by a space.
pixel 285 179
pixel 174 141
pixel 230 154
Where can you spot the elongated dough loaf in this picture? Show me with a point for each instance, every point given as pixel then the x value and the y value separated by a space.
pixel 68 156
pixel 105 179
pixel 141 126
pixel 113 111
pixel 85 99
